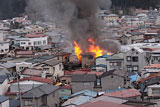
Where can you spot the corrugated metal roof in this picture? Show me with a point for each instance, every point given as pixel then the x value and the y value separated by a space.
pixel 76 101
pixel 103 104
pixel 86 93
pixel 119 89
pixel 39 91
pixel 124 93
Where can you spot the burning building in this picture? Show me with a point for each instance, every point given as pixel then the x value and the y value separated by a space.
pixel 80 19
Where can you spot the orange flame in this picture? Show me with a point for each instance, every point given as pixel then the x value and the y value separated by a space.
pixel 94 49
pixel 78 51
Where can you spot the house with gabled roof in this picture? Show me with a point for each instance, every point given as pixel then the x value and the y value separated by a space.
pixel 25 84
pixel 42 96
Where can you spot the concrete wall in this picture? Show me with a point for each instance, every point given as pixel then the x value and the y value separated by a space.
pixel 4 87
pixel 79 86
pixel 53 99
pixel 111 83
pixel 4 47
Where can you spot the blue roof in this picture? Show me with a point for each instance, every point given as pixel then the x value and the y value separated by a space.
pixel 82 99
pixel 86 93
pixel 104 56
pixel 100 65
pixel 133 77
pixel 119 89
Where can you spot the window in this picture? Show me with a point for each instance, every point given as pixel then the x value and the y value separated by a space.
pixel 111 64
pixel 23 43
pixel 53 68
pixel 28 103
pixel 135 59
pixel 44 99
pixel 98 82
pixel 156 91
pixel 135 68
pixel 44 42
pixel 46 69
pixel 29 43
pixel 115 64
pixel 39 42
pixel 128 58
pixel 53 95
pixel 60 66
pixel 129 68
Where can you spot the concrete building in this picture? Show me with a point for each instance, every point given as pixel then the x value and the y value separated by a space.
pixel 4 43
pixel 31 41
pixel 134 60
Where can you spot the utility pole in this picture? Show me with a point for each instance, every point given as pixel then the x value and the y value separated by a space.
pixel 19 91
pixel 34 102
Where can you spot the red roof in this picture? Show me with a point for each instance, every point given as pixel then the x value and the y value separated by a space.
pixel 34 35
pixel 103 104
pixel 153 66
pixel 97 73
pixel 39 79
pixel 151 49
pixel 13 93
pixel 80 71
pixel 149 77
pixel 127 93
pixel 83 71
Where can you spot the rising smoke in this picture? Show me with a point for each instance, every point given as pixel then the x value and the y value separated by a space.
pixel 79 17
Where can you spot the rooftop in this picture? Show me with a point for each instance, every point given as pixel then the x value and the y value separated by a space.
pixel 2 78
pixel 39 91
pixel 34 35
pixel 83 78
pixel 39 79
pixel 3 98
pixel 127 93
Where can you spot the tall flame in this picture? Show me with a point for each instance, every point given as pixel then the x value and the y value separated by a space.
pixel 78 51
pixel 94 49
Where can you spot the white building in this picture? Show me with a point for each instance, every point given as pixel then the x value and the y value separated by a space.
pixel 4 47
pixel 133 21
pixel 20 66
pixel 32 41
